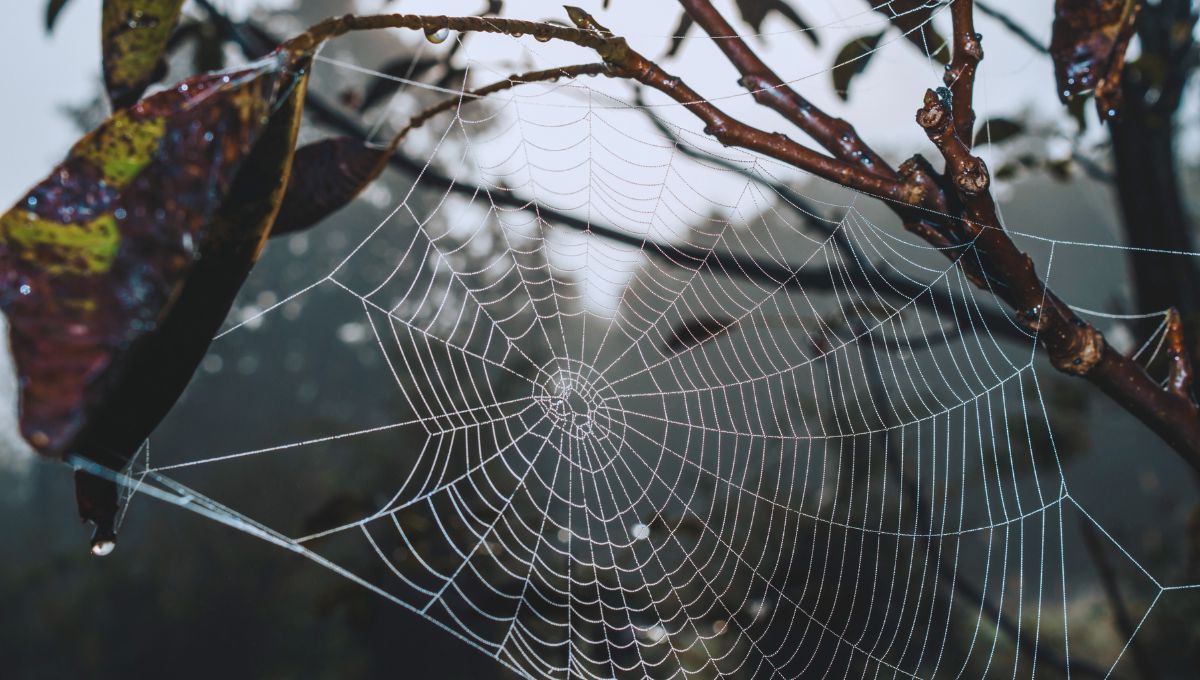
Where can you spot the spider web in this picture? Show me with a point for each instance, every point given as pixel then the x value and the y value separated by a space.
pixel 751 438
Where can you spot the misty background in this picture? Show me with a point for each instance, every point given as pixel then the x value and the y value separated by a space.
pixel 190 598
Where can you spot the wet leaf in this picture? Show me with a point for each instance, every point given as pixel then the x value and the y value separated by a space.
pixel 915 19
pixel 852 60
pixel 118 268
pixel 405 67
pixel 53 9
pixel 134 36
pixel 326 176
pixel 697 332
pixel 998 131
pixel 1088 45
pixel 101 263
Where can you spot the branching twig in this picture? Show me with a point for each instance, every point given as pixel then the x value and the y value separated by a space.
pixel 993 261
pixel 834 134
pixel 881 276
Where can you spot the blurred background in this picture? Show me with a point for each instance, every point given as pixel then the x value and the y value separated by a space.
pixel 187 597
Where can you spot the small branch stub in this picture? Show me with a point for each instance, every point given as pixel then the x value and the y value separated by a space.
pixel 1179 376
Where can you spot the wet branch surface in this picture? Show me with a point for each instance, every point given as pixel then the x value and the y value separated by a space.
pixel 953 211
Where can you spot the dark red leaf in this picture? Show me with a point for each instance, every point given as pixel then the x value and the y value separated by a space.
pixel 326 176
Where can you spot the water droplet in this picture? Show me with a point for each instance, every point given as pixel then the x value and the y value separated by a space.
pixel 26 289
pixel 119 213
pixel 208 136
pixel 542 38
pixel 183 87
pixel 437 36
pixel 31 201
pixel 640 531
pixel 103 547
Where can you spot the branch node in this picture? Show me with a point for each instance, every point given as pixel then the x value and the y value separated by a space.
pixel 972 178
pixel 917 181
pixel 1080 353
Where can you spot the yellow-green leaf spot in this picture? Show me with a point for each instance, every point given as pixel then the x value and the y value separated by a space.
pixel 122 147
pixel 135 33
pixel 81 248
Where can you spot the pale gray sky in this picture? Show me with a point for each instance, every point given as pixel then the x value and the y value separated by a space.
pixel 46 72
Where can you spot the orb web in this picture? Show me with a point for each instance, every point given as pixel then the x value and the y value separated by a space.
pixel 758 433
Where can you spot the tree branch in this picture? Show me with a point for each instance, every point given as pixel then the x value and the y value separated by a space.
pixel 834 134
pixel 960 74
pixel 992 260
pixel 1073 345
pixel 881 275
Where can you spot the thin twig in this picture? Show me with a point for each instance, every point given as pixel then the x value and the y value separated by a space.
pixel 834 134
pixel 1124 622
pixel 993 262
pixel 1013 27
pixel 960 74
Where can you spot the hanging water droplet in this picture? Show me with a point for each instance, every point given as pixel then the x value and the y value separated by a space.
pixel 103 547
pixel 437 36
pixel 542 38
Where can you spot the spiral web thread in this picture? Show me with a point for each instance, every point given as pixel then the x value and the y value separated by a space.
pixel 615 465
